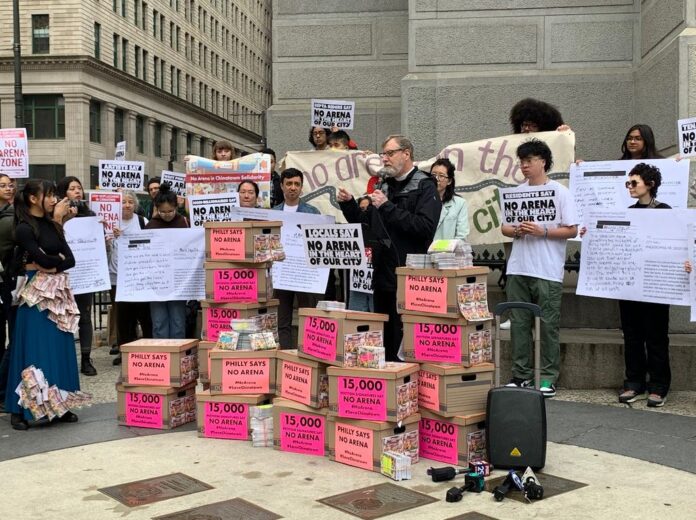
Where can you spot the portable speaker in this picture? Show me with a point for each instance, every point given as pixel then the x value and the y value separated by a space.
pixel 516 428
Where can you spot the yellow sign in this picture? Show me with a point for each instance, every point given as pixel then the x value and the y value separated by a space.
pixel 515 453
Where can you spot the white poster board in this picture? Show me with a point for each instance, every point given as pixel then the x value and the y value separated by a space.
pixel 361 277
pixel 85 236
pixel 216 207
pixel 14 155
pixel 339 246
pixel 636 254
pixel 177 182
pixel 128 175
pixel 603 184
pixel 120 154
pixel 161 265
pixel 538 204
pixel 327 113
pixel 107 206
pixel 692 275
pixel 686 137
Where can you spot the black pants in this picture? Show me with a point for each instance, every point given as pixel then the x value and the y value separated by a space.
pixel 285 308
pixel 84 304
pixel 128 315
pixel 646 346
pixel 385 303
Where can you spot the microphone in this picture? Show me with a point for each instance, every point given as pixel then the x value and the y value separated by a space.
pixel 383 173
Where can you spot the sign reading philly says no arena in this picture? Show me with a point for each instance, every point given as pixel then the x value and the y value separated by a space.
pixel 338 246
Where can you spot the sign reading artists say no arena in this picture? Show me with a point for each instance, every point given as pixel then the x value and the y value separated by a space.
pixel 127 175
pixel 338 246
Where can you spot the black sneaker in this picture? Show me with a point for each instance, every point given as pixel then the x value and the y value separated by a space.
pixel 88 368
pixel 115 350
pixel 516 382
pixel 656 400
pixel 117 360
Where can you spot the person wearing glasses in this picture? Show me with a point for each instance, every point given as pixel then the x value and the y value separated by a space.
pixel 402 220
pixel 168 318
pixel 319 138
pixel 645 325
pixel 639 143
pixel 531 115
pixel 454 218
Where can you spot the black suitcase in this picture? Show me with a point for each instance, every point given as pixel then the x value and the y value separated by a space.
pixel 516 417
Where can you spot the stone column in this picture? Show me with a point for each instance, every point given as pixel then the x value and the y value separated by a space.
pixel 151 160
pixel 77 136
pixel 108 130
pixel 166 141
pixel 129 131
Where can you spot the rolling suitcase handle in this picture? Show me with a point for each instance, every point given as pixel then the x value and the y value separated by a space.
pixel 534 309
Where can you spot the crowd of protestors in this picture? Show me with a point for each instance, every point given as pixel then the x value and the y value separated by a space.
pixel 404 212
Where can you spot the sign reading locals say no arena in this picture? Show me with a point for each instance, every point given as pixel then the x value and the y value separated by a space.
pixel 338 246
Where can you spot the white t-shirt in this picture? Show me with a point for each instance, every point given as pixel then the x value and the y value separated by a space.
pixel 127 227
pixel 291 209
pixel 541 257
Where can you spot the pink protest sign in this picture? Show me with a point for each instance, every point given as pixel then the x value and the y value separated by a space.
pixel 437 342
pixel 14 156
pixel 235 285
pixel 246 376
pixel 362 398
pixel 353 445
pixel 144 410
pixel 296 382
pixel 227 421
pixel 302 433
pixel 107 206
pixel 319 337
pixel 426 293
pixel 429 390
pixel 227 244
pixel 218 320
pixel 438 440
pixel 149 368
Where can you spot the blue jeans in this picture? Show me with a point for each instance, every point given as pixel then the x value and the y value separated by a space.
pixel 360 301
pixel 168 319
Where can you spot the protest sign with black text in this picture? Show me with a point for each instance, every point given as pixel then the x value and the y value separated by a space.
pixel 128 175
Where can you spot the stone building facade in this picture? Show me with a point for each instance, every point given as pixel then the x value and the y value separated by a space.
pixel 448 71
pixel 170 77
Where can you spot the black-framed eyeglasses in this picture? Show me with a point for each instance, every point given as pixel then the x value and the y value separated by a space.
pixel 439 176
pixel 390 153
pixel 631 184
pixel 635 138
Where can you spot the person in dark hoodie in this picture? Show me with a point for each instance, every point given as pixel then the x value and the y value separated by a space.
pixel 402 220
pixel 168 318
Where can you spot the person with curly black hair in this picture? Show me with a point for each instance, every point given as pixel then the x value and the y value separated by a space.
pixel 319 138
pixel 531 115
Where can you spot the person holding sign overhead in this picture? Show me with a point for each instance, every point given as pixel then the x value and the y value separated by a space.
pixel 645 325
pixel 168 318
pixel 545 221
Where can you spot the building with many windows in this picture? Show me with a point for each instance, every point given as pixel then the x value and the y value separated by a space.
pixel 169 77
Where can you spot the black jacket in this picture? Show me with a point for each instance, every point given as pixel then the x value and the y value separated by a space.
pixel 405 224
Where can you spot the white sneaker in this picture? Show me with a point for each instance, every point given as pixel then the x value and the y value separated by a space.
pixel 505 325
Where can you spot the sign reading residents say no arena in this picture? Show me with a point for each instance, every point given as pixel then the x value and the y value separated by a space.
pixel 338 246
pixel 121 174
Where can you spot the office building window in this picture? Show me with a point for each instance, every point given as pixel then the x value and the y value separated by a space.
pixel 119 126
pixel 174 144
pixel 124 55
pixel 44 116
pixel 140 134
pixel 136 12
pixel 39 34
pixel 156 72
pixel 144 16
pixel 145 58
pixel 123 8
pixel 136 62
pixel 155 21
pixel 97 41
pixel 117 43
pixel 158 140
pixel 94 177
pixel 50 172
pixel 189 144
pixel 95 121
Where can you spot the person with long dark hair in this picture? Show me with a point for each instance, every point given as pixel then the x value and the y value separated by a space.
pixel 7 284
pixel 40 337
pixel 639 143
pixel 71 187
pixel 168 318
pixel 454 218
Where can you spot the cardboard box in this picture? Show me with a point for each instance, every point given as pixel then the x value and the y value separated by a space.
pixel 159 362
pixel 447 340
pixel 453 390
pixel 302 380
pixel 453 440
pixel 236 241
pixel 299 429
pixel 216 317
pixel 204 348
pixel 237 283
pixel 155 407
pixel 433 292
pixel 242 372
pixel 389 394
pixel 361 443
pixel 226 416
pixel 321 334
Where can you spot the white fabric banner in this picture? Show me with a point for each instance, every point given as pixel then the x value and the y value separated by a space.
pixel 85 236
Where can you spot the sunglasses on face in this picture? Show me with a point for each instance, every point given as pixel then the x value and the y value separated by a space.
pixel 631 184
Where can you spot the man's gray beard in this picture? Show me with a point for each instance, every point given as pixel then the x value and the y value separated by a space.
pixel 388 171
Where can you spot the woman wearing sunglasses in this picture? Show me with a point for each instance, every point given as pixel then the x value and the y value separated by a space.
pixel 645 325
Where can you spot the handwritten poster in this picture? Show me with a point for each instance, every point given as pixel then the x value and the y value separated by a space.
pixel 161 265
pixel 327 113
pixel 107 206
pixel 212 208
pixel 14 156
pixel 339 246
pixel 177 181
pixel 127 175
pixel 85 236
pixel 636 254
pixel 603 184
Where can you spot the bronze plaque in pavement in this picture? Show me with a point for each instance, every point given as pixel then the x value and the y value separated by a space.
pixel 155 489
pixel 552 486
pixel 377 501
pixel 235 509
pixel 472 515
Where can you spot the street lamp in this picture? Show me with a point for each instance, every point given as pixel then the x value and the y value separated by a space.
pixel 19 103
